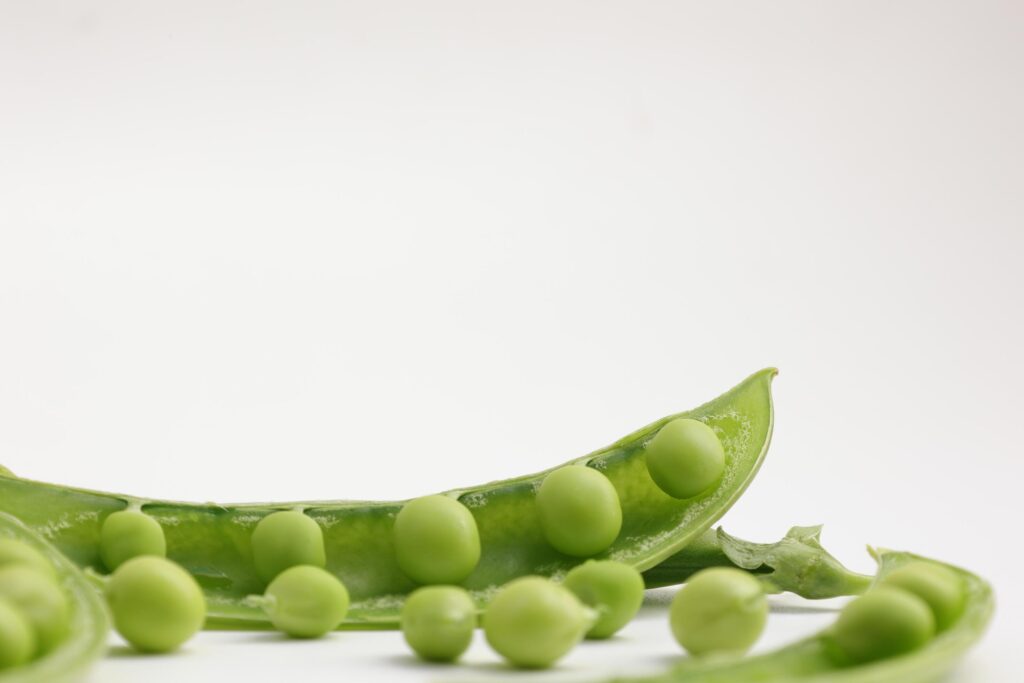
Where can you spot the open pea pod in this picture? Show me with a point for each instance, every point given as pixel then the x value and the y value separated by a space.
pixel 86 638
pixel 809 661
pixel 213 541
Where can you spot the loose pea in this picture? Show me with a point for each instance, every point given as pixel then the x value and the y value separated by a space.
pixel 17 639
pixel 719 610
pixel 938 586
pixel 40 599
pixel 14 552
pixel 127 534
pixel 438 622
pixel 306 601
pixel 615 590
pixel 533 622
pixel 579 511
pixel 884 622
pixel 685 458
pixel 155 603
pixel 286 539
pixel 436 540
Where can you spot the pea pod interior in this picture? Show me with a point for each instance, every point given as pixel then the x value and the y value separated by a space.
pixel 87 633
pixel 212 541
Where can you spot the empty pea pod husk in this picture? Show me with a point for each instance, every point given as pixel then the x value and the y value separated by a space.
pixel 86 638
pixel 213 541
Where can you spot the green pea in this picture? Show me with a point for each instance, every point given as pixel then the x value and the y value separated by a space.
pixel 438 622
pixel 127 534
pixel 579 509
pixel 286 539
pixel 685 458
pixel 306 601
pixel 884 622
pixel 719 610
pixel 14 552
pixel 436 540
pixel 939 586
pixel 615 591
pixel 155 603
pixel 533 622
pixel 40 599
pixel 17 639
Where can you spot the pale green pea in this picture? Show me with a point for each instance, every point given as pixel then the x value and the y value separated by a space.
pixel 719 610
pixel 286 539
pixel 436 540
pixel 127 534
pixel 438 622
pixel 156 604
pixel 17 638
pixel 305 601
pixel 939 586
pixel 14 552
pixel 579 510
pixel 615 591
pixel 884 622
pixel 38 596
pixel 533 622
pixel 685 458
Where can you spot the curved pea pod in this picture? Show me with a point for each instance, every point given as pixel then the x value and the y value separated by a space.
pixel 213 541
pixel 86 638
pixel 810 660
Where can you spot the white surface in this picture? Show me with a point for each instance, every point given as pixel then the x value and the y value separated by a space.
pixel 312 250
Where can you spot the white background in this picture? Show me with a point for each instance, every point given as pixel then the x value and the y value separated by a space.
pixel 263 250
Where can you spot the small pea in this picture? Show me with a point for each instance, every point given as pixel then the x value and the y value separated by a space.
pixel 127 534
pixel 579 509
pixel 436 540
pixel 884 622
pixel 533 622
pixel 15 552
pixel 17 638
pixel 719 610
pixel 286 539
pixel 685 458
pixel 40 599
pixel 438 622
pixel 938 586
pixel 615 590
pixel 156 604
pixel 306 601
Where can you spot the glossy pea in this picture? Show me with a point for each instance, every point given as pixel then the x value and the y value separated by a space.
pixel 306 601
pixel 436 540
pixel 127 534
pixel 17 638
pixel 719 610
pixel 286 539
pixel 533 622
pixel 579 510
pixel 615 591
pixel 685 458
pixel 156 604
pixel 14 552
pixel 940 587
pixel 884 622
pixel 40 599
pixel 438 622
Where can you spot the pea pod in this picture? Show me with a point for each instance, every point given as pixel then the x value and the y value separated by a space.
pixel 809 661
pixel 213 541
pixel 87 633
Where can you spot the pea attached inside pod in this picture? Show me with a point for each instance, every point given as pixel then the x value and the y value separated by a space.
pixel 17 637
pixel 305 601
pixel 40 599
pixel 438 622
pixel 719 610
pixel 580 512
pixel 15 552
pixel 436 540
pixel 685 458
pixel 129 533
pixel 614 590
pixel 286 539
pixel 884 622
pixel 938 586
